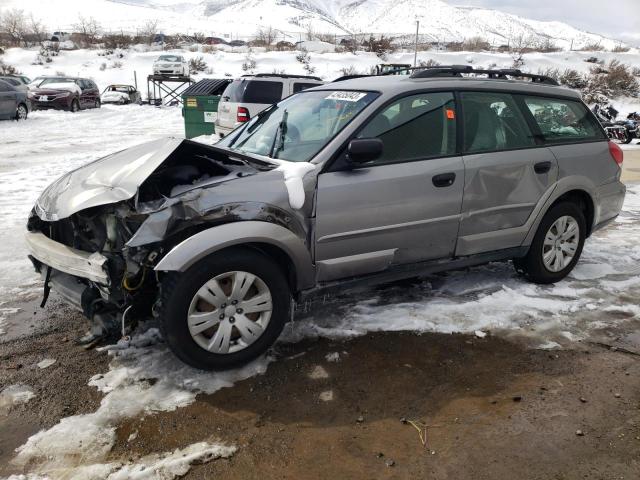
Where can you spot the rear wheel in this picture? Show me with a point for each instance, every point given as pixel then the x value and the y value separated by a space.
pixel 557 245
pixel 225 310
pixel 97 104
pixel 21 112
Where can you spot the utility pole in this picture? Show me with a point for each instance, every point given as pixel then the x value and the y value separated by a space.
pixel 415 51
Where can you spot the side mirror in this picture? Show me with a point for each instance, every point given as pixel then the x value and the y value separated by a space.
pixel 363 150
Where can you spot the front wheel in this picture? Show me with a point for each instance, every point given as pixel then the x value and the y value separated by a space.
pixel 75 106
pixel 97 104
pixel 557 245
pixel 226 310
pixel 21 112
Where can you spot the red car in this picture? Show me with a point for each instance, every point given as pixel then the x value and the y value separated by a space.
pixel 65 93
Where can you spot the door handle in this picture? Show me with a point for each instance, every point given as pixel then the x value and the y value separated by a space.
pixel 542 167
pixel 444 179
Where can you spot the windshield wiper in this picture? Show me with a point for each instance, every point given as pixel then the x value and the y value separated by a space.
pixel 278 139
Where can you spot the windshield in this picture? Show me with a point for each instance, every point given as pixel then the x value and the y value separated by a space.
pixel 170 58
pixel 300 126
pixel 56 80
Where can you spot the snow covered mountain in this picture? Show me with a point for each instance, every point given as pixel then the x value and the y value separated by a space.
pixel 439 21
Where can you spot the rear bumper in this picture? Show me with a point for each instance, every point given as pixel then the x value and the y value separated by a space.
pixel 610 198
pixel 91 266
pixel 223 131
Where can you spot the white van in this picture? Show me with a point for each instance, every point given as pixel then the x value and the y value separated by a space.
pixel 249 95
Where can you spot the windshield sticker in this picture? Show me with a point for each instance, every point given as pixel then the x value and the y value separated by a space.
pixel 346 96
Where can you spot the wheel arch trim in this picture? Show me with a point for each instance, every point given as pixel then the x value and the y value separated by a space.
pixel 214 239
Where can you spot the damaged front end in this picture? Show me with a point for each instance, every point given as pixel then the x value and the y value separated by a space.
pixel 97 233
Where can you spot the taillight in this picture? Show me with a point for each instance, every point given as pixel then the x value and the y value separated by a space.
pixel 616 153
pixel 242 115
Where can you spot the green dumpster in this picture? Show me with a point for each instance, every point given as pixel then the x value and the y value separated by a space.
pixel 200 106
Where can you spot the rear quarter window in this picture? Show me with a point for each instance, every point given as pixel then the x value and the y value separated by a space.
pixel 298 86
pixel 564 121
pixel 258 91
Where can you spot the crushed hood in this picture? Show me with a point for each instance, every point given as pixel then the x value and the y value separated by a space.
pixel 108 180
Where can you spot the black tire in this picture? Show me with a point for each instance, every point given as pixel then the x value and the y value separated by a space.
pixel 178 289
pixel 75 106
pixel 627 138
pixel 98 104
pixel 532 265
pixel 21 112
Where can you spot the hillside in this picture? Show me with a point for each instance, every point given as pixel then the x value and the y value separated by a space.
pixel 293 18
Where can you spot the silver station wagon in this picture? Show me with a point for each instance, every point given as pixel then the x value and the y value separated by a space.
pixel 360 181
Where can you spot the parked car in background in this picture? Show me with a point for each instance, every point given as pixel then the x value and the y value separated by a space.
pixel 121 95
pixel 65 93
pixel 249 95
pixel 23 78
pixel 17 83
pixel 60 37
pixel 170 64
pixel 13 102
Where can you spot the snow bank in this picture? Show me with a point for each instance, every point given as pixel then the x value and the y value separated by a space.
pixel 165 466
pixel 15 394
pixel 143 377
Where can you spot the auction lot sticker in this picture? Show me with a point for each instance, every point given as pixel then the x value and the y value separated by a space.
pixel 346 96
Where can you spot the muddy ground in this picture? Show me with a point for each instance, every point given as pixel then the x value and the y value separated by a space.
pixel 493 408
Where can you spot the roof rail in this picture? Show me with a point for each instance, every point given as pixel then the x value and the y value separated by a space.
pixel 460 70
pixel 283 76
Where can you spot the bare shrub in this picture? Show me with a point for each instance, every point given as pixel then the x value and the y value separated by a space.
pixel 620 49
pixel 381 46
pixel 14 24
pixel 117 40
pixel 249 64
pixel 573 79
pixel 476 44
pixel 6 69
pixel 197 64
pixel 621 80
pixel 209 49
pixel 551 73
pixel 592 47
pixel 87 30
pixel 148 31
pixel 266 35
pixel 304 58
pixel 348 71
pixel 283 46
pixel 429 63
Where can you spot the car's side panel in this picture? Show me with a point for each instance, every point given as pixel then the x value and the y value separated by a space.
pixel 204 243
pixel 371 218
pixel 501 192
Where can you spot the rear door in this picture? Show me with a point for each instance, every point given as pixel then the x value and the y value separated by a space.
pixel 7 100
pixel 507 171
pixel 401 208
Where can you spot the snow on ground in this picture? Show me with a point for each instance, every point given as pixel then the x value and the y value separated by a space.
pixel 143 377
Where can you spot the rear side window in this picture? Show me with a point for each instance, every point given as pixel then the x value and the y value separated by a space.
pixel 563 120
pixel 493 122
pixel 298 87
pixel 4 87
pixel 415 127
pixel 253 91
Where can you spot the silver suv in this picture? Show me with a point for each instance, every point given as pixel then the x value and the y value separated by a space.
pixel 247 96
pixel 359 181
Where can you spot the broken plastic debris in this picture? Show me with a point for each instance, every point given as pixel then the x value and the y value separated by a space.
pixel 480 334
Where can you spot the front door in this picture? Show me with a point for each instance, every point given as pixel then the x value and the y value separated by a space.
pixel 507 172
pixel 401 208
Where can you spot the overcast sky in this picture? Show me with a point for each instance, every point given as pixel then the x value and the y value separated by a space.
pixel 617 18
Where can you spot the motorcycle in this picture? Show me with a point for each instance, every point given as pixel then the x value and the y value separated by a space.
pixel 632 125
pixel 607 117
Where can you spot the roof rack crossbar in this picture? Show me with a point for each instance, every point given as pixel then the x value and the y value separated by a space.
pixel 498 74
pixel 283 76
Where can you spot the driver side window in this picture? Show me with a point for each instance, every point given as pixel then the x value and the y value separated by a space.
pixel 415 127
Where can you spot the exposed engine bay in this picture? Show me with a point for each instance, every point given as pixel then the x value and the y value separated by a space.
pixel 183 194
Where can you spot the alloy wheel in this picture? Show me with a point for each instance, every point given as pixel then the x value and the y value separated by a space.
pixel 21 113
pixel 561 243
pixel 230 312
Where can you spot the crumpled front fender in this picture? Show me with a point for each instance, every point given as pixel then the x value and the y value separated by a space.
pixel 214 239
